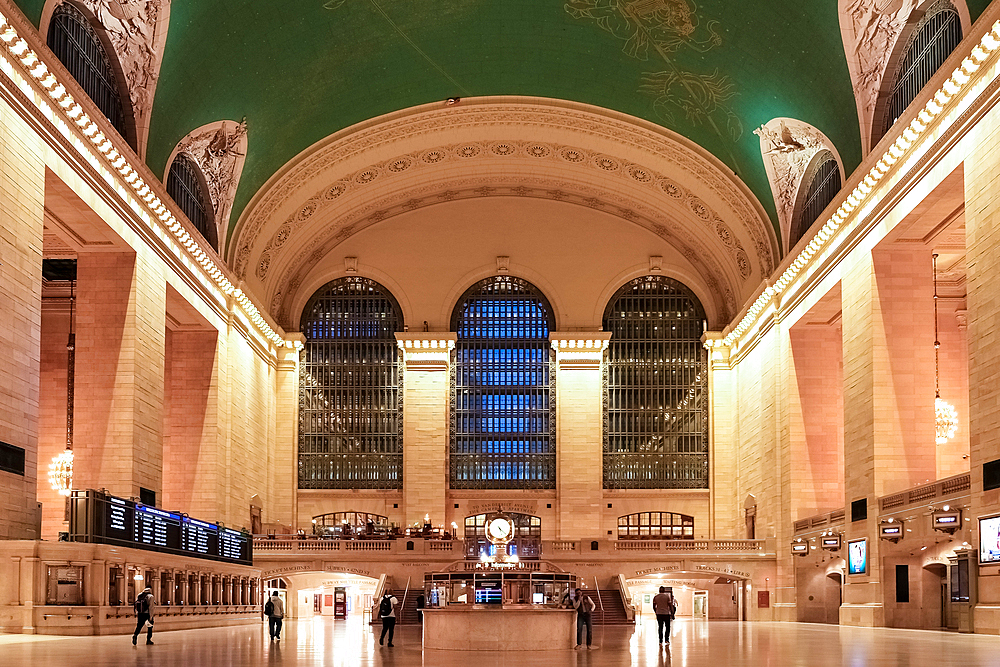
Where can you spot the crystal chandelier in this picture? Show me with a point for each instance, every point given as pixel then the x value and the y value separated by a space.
pixel 945 414
pixel 61 472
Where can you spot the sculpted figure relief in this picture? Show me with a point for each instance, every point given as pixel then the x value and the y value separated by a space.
pixel 218 151
pixel 787 147
pixel 131 27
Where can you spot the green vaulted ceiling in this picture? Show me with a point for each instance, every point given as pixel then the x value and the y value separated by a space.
pixel 300 70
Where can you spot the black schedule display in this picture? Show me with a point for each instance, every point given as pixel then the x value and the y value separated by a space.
pixel 234 545
pixel 157 527
pixel 119 518
pixel 96 516
pixel 199 538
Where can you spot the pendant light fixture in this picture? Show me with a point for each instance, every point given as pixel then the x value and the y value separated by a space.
pixel 945 415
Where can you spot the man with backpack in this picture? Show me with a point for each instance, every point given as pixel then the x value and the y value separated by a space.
pixel 143 608
pixel 274 609
pixel 387 612
pixel 665 607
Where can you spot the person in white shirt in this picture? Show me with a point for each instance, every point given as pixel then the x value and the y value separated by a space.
pixel 584 616
pixel 387 612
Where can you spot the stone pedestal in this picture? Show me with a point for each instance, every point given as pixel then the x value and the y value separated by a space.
pixel 485 628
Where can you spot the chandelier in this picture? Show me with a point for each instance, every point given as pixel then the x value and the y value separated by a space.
pixel 945 414
pixel 61 472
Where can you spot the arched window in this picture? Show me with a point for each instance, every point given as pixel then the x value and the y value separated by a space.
pixel 656 432
pixel 76 43
pixel 186 186
pixel 502 430
pixel 935 36
pixel 350 422
pixel 656 526
pixel 820 185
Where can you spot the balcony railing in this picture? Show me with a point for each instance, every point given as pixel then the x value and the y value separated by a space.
pixel 947 488
pixel 279 546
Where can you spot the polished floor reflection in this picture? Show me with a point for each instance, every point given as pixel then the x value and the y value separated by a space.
pixel 322 641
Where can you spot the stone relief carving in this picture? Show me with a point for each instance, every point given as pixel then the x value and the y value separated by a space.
pixel 298 267
pixel 131 27
pixel 351 144
pixel 219 150
pixel 614 167
pixel 872 31
pixel 787 147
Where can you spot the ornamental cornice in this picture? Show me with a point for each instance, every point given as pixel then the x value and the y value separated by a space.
pixel 341 160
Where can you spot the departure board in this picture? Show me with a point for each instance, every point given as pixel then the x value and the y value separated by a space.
pixel 96 516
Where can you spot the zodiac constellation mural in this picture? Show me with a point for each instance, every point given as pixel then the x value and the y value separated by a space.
pixel 651 28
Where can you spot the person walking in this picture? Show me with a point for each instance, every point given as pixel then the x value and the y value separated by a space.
pixel 584 616
pixel 144 607
pixel 387 612
pixel 664 606
pixel 274 609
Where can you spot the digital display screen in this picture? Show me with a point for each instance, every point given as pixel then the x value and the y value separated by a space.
pixel 99 517
pixel 831 542
pixel 489 593
pixel 989 540
pixel 857 557
pixel 890 530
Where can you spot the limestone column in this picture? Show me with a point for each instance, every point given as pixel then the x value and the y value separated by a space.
pixel 888 401
pixel 426 389
pixel 119 373
pixel 579 433
pixel 283 480
pixel 725 519
pixel 982 243
pixel 22 201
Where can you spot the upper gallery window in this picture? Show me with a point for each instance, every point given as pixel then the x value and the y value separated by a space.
pixel 78 45
pixel 656 433
pixel 186 186
pixel 819 186
pixel 350 418
pixel 502 431
pixel 932 40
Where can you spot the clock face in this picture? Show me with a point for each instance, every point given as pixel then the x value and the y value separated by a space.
pixel 500 529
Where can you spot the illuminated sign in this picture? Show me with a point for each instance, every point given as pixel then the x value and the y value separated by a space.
pixel 947 521
pixel 857 556
pixel 831 542
pixel 800 548
pixel 989 540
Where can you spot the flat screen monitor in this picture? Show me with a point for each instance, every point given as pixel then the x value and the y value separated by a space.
pixel 857 557
pixel 489 593
pixel 989 540
pixel 538 598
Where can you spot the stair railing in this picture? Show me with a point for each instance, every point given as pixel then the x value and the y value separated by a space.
pixel 600 599
pixel 402 605
pixel 377 598
pixel 627 599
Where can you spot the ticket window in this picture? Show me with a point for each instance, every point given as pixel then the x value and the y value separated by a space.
pixel 194 592
pixel 115 587
pixel 166 589
pixel 178 585
pixel 133 584
pixel 65 585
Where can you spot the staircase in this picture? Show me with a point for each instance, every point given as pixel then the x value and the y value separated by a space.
pixel 406 613
pixel 614 608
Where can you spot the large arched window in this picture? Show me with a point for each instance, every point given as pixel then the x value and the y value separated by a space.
pixel 502 430
pixel 186 186
pixel 350 421
pixel 819 186
pixel 76 43
pixel 656 433
pixel 934 37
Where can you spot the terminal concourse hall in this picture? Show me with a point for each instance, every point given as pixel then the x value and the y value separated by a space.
pixel 484 303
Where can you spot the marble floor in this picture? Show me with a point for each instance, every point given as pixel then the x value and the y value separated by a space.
pixel 324 642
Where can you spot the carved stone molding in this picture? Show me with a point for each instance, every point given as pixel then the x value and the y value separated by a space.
pixel 339 161
pixel 375 177
pixel 219 149
pixel 788 146
pixel 723 285
pixel 137 30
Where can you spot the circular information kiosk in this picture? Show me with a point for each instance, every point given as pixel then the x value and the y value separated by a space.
pixel 499 602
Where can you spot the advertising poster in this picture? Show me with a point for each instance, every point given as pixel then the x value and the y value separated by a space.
pixel 989 540
pixel 857 557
